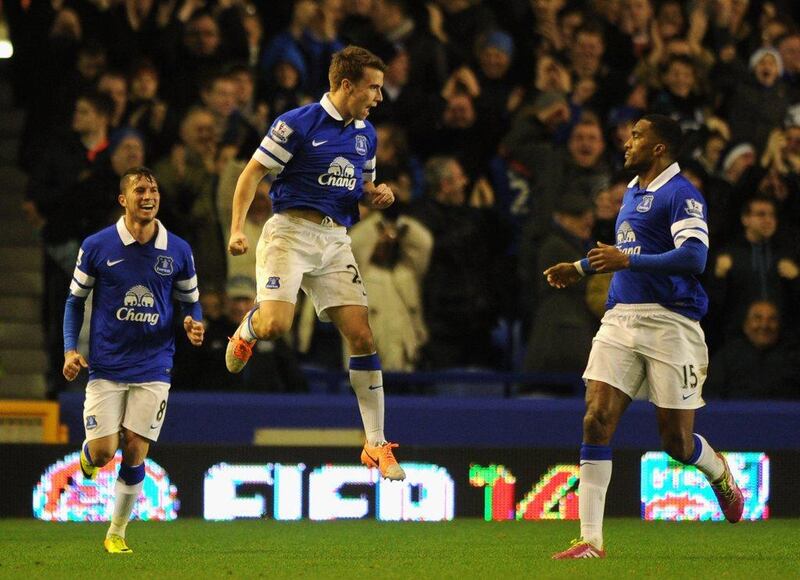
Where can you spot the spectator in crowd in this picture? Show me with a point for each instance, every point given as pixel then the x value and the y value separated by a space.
pixel 460 289
pixel 764 363
pixel 392 20
pixel 680 97
pixel 393 252
pixel 586 171
pixel 533 156
pixel 402 103
pixel 560 313
pixel 199 54
pixel 255 112
pixel 148 112
pixel 313 36
pixel 758 104
pixel 220 96
pixel 115 85
pixel 188 183
pixel 759 266
pixel 788 47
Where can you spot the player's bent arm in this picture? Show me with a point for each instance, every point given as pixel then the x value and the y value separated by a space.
pixel 690 258
pixel 245 191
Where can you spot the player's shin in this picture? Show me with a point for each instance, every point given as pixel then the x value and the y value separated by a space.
pixel 595 475
pixel 127 489
pixel 367 381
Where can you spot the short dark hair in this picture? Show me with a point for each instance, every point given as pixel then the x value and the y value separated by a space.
pixel 350 63
pixel 100 102
pixel 136 173
pixel 758 198
pixel 667 131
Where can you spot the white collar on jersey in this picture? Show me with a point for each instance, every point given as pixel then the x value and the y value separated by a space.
pixel 662 178
pixel 128 239
pixel 326 103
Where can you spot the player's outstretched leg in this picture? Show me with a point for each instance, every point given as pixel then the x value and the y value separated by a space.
pixel 719 475
pixel 88 468
pixel 240 345
pixel 367 381
pixel 127 489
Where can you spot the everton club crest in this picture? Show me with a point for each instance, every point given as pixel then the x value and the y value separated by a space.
pixel 361 144
pixel 645 204
pixel 163 265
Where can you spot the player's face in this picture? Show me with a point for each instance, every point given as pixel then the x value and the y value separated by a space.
pixel 141 199
pixel 365 94
pixel 640 148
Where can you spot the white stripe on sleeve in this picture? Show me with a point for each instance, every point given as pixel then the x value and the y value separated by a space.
pixel 695 223
pixel 77 290
pixel 83 278
pixel 276 150
pixel 686 234
pixel 186 296
pixel 271 164
pixel 369 165
pixel 187 284
pixel 368 175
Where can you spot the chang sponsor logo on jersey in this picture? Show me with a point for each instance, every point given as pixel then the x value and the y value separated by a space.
pixel 138 300
pixel 626 235
pixel 341 173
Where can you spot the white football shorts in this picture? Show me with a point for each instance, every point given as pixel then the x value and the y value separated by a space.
pixel 646 346
pixel 295 253
pixel 139 407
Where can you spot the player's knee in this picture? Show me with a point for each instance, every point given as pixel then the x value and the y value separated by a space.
pixel 101 456
pixel 596 427
pixel 134 448
pixel 361 341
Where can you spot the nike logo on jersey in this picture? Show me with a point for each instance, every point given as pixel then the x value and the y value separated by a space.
pixel 687 396
pixel 374 387
pixel 316 143
pixel 109 263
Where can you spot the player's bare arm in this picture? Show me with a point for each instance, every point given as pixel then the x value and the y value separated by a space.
pixel 73 361
pixel 194 330
pixel 243 196
pixel 562 275
pixel 605 258
pixel 378 196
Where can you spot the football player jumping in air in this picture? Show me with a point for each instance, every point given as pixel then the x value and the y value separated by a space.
pixel 324 157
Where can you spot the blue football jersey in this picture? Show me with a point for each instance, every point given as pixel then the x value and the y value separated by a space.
pixel 132 334
pixel 321 163
pixel 655 220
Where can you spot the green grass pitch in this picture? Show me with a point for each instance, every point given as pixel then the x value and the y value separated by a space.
pixel 460 549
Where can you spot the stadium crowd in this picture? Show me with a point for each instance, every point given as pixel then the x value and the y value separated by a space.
pixel 501 131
